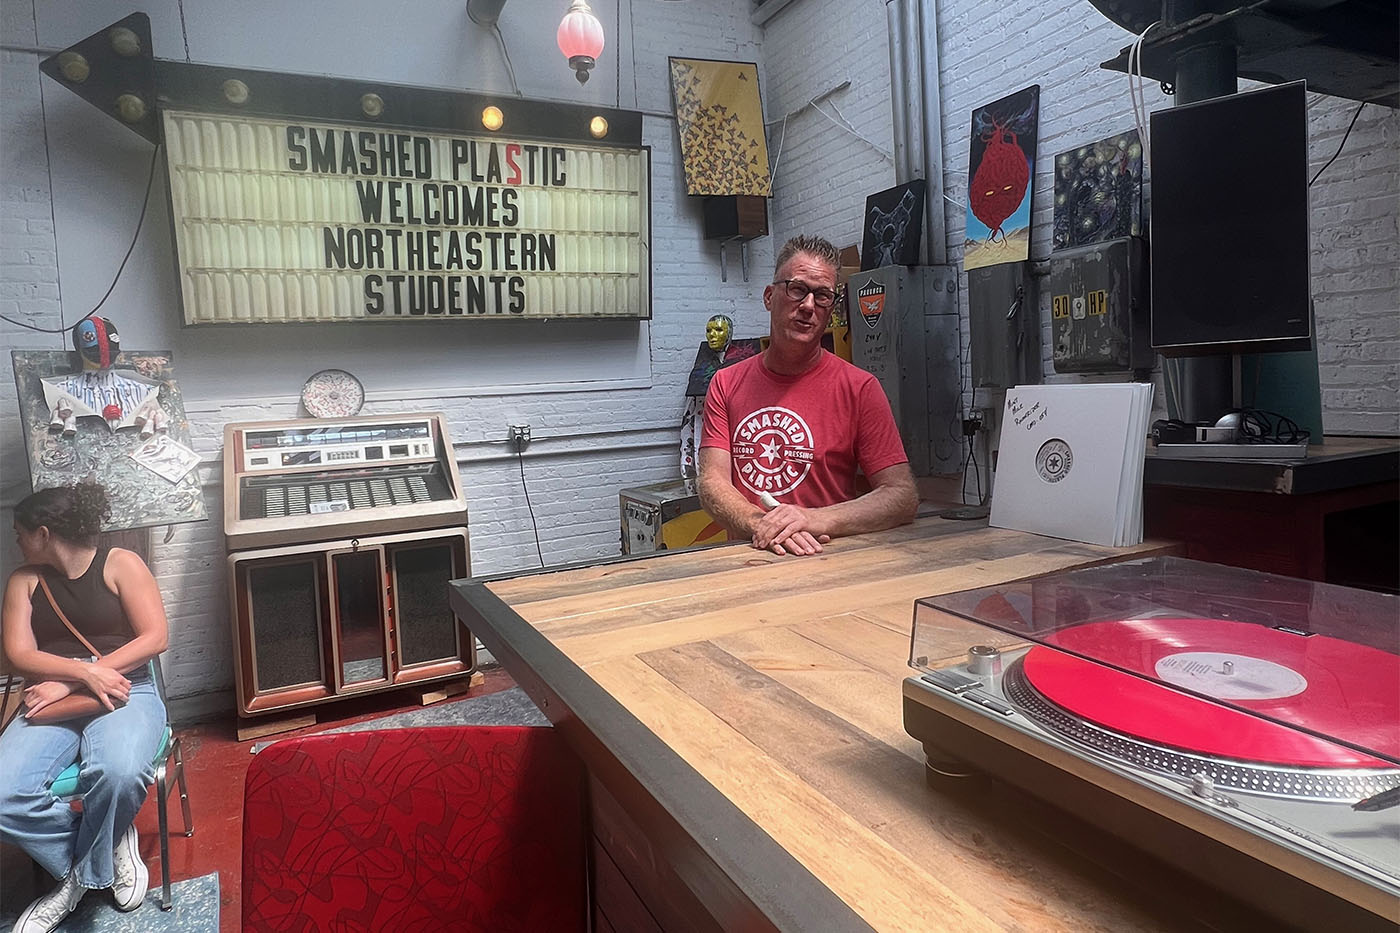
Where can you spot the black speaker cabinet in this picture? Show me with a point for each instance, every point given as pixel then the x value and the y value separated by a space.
pixel 736 216
pixel 1230 241
pixel 312 623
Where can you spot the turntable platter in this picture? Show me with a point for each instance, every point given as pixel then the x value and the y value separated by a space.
pixel 1321 684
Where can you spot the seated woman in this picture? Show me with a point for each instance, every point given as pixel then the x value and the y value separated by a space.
pixel 91 699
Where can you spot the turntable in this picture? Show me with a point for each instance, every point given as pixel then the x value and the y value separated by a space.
pixel 1242 726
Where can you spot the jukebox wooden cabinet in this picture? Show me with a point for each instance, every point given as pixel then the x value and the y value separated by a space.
pixel 342 537
pixel 316 622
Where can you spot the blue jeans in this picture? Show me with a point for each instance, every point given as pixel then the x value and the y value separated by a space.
pixel 115 750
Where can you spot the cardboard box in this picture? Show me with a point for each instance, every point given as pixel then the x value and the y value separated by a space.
pixel 840 329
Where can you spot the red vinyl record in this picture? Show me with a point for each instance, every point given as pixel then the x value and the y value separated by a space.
pixel 1328 685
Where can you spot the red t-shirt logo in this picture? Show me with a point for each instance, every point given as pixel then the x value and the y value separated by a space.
pixel 772 450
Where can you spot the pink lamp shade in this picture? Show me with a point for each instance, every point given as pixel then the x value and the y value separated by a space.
pixel 580 38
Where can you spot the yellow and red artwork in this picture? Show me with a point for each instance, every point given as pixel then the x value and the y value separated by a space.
pixel 1001 180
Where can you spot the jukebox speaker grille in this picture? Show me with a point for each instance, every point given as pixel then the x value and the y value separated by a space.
pixel 426 626
pixel 285 618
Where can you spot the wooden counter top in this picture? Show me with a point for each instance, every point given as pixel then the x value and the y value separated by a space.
pixel 756 701
pixel 1338 463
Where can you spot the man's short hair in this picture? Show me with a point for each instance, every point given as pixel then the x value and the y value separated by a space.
pixel 813 246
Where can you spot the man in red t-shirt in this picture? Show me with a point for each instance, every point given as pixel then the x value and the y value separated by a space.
pixel 791 425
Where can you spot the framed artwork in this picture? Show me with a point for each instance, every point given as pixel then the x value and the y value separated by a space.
pixel 1098 191
pixel 894 223
pixel 709 361
pixel 140 492
pixel 720 120
pixel 1001 179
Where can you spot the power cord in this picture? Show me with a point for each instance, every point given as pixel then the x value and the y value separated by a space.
pixel 140 221
pixel 1267 427
pixel 1343 143
pixel 782 137
pixel 520 457
pixel 976 472
pixel 971 427
pixel 849 127
pixel 505 54
pixel 1137 93
pixel 1252 426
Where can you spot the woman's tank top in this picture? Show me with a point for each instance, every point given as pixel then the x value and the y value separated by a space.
pixel 92 608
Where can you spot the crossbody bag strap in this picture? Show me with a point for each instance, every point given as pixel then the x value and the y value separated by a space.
pixel 43 584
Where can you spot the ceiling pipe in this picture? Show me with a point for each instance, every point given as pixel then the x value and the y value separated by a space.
pixel 936 233
pixel 917 113
pixel 894 22
pixel 913 98
pixel 484 12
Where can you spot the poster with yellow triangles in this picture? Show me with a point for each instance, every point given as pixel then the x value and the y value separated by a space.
pixel 720 119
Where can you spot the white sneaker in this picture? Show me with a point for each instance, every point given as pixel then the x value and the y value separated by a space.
pixel 49 911
pixel 131 876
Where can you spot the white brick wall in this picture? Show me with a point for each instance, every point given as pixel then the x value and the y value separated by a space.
pixel 1356 264
pixel 825 172
pixel 602 430
pixel 28 258
pixel 592 436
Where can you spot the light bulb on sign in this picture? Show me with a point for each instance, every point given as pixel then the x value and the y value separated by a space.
pixel 74 67
pixel 580 38
pixel 125 42
pixel 131 108
pixel 492 118
pixel 235 91
pixel 598 126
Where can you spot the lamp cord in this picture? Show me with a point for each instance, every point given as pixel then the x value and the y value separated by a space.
pixel 140 221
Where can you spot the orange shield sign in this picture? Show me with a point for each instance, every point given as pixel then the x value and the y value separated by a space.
pixel 871 297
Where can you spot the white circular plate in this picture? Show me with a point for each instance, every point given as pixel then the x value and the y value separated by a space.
pixel 332 393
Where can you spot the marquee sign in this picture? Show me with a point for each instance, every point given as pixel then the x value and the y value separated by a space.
pixel 288 220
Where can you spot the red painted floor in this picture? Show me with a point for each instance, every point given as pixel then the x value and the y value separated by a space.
pixel 215 764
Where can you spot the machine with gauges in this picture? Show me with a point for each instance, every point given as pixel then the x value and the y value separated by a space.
pixel 342 534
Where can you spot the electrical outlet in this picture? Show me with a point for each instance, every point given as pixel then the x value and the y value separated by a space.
pixel 519 436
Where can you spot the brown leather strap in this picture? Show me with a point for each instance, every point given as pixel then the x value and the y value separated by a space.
pixel 43 584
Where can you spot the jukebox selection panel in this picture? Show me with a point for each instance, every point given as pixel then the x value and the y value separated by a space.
pixel 342 491
pixel 316 479
pixel 337 444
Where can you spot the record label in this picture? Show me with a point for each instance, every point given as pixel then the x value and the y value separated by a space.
pixel 1227 676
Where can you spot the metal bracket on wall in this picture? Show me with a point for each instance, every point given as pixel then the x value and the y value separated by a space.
pixel 743 259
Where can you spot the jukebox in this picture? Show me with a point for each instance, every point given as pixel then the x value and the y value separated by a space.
pixel 341 537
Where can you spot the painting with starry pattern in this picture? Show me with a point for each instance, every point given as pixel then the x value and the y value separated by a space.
pixel 1098 191
pixel 720 120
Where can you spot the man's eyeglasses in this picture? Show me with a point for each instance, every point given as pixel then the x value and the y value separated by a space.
pixel 798 290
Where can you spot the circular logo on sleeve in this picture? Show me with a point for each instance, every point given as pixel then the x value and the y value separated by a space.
pixel 772 450
pixel 1053 460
